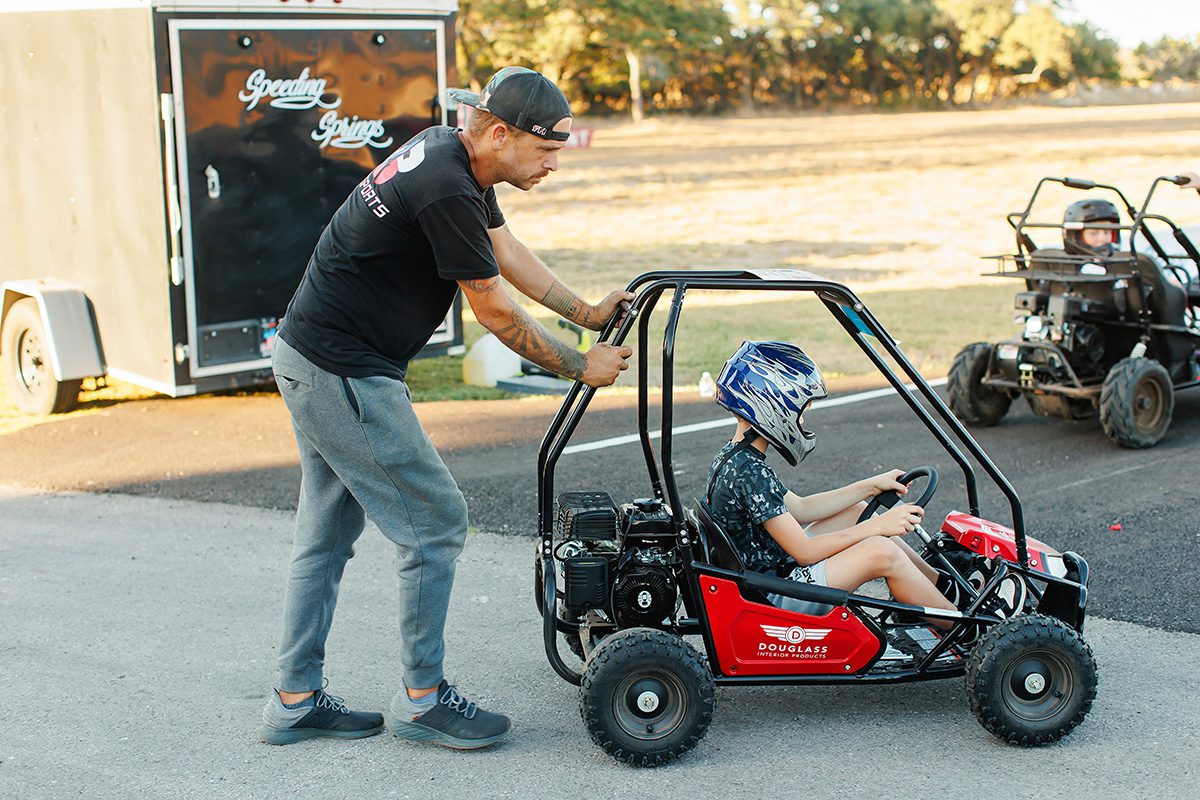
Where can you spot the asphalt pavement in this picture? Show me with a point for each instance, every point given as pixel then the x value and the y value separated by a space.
pixel 1133 514
pixel 139 641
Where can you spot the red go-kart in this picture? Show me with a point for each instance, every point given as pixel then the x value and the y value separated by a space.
pixel 622 585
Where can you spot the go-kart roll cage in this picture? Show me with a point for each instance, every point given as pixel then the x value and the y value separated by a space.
pixel 1019 220
pixel 846 308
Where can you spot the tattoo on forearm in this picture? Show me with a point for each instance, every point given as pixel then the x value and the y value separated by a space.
pixel 563 302
pixel 525 336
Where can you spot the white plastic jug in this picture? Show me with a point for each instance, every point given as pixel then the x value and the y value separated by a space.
pixel 489 361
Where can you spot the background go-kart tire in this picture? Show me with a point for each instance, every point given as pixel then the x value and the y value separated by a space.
pixel 647 697
pixel 974 403
pixel 28 373
pixel 1136 402
pixel 1031 680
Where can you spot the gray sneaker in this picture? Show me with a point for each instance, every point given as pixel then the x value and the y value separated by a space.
pixel 454 721
pixel 327 716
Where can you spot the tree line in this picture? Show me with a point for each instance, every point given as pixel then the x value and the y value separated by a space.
pixel 714 56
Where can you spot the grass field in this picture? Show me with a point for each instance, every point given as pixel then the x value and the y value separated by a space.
pixel 901 207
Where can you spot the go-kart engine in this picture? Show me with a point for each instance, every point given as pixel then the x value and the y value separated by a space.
pixel 1085 343
pixel 643 595
pixel 616 561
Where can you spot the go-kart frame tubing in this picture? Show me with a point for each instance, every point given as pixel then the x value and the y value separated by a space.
pixel 1188 246
pixel 1019 220
pixel 652 285
pixel 1025 245
pixel 1079 391
pixel 838 598
pixel 926 669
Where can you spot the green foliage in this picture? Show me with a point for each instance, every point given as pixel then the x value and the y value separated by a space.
pixel 1035 42
pixel 620 56
pixel 1169 60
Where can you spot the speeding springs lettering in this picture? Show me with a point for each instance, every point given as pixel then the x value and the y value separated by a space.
pixel 305 92
pixel 349 133
pixel 296 94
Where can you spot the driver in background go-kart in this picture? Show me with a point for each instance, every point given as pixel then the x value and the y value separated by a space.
pixel 1079 240
pixel 767 386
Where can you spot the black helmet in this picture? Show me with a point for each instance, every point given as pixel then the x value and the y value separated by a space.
pixel 1074 221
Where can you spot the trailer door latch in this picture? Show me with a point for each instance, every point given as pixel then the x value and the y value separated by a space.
pixel 214 182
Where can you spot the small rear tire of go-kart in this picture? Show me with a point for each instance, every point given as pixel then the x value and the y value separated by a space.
pixel 28 371
pixel 1136 402
pixel 974 403
pixel 647 696
pixel 1031 680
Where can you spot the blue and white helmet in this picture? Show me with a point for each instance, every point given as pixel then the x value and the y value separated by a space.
pixel 770 384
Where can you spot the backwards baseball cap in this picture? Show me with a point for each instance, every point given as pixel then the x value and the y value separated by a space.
pixel 525 99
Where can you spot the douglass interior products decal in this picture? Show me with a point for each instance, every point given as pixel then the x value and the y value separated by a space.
pixel 304 92
pixel 796 642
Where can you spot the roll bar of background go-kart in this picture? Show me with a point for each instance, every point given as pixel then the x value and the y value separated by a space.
pixel 1020 220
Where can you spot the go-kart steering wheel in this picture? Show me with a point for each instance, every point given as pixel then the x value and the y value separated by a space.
pixel 891 497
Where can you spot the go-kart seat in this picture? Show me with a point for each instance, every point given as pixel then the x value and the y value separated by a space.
pixel 755 586
pixel 720 549
pixel 1167 299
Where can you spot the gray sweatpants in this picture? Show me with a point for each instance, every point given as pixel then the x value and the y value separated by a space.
pixel 363 451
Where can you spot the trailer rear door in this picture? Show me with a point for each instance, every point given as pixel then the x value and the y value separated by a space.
pixel 276 122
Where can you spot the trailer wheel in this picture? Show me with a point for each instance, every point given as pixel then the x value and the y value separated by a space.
pixel 32 386
pixel 1136 402
pixel 974 403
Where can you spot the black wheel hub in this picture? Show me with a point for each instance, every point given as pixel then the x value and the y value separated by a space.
pixel 646 697
pixel 649 705
pixel 1148 405
pixel 1037 686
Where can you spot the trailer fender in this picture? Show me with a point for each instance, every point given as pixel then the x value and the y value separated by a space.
pixel 71 335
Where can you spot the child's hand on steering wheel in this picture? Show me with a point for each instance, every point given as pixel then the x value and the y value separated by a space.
pixel 899 520
pixel 885 482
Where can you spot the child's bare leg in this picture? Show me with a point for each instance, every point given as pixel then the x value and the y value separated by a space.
pixel 929 572
pixel 881 557
pixel 848 518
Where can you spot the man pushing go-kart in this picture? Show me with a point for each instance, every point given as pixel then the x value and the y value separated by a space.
pixel 424 224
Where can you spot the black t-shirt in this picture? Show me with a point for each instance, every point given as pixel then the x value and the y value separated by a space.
pixel 384 272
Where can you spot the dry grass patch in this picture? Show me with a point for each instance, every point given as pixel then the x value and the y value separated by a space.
pixel 898 206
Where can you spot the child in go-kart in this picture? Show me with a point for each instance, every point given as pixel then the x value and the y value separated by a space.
pixel 1093 242
pixel 767 386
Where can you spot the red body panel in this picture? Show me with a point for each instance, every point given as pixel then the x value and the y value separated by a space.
pixel 756 639
pixel 991 540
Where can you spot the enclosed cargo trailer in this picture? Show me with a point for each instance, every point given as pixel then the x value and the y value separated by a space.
pixel 170 164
